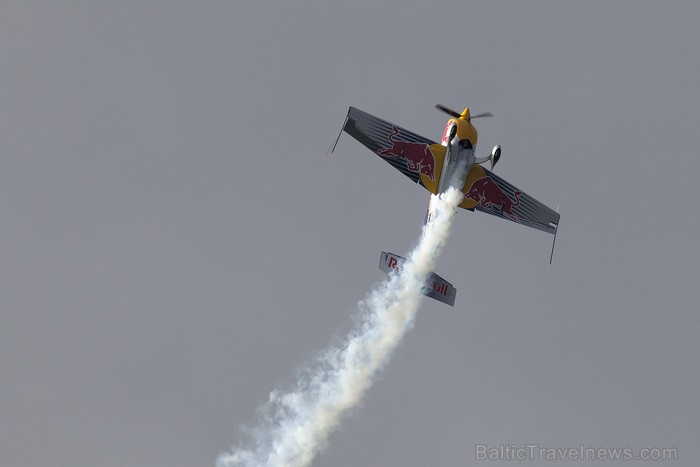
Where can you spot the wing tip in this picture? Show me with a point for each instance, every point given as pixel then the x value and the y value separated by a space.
pixel 554 240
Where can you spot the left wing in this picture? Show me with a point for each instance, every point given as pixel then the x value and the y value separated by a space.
pixel 489 193
pixel 418 158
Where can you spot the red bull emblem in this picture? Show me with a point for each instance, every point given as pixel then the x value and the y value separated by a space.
pixel 418 156
pixel 489 195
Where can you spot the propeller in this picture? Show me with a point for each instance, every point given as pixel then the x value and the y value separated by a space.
pixel 485 114
pixel 448 111
pixel 455 114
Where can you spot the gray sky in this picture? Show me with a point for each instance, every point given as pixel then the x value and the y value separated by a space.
pixel 175 243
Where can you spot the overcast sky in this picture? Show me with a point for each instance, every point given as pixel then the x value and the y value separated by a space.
pixel 175 244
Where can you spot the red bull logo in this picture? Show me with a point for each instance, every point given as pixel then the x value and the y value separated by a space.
pixel 489 195
pixel 437 286
pixel 418 157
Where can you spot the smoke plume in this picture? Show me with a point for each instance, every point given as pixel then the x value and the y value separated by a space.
pixel 295 425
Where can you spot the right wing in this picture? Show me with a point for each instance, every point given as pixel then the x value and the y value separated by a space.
pixel 418 158
pixel 489 193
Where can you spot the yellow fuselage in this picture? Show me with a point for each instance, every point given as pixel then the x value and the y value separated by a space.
pixel 459 140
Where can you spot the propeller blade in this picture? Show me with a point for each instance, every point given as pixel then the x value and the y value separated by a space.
pixel 448 111
pixel 485 114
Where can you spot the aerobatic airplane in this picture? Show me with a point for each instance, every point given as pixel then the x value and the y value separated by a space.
pixel 437 166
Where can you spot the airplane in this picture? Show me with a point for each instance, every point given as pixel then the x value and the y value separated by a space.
pixel 436 166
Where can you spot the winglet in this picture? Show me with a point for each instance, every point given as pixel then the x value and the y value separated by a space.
pixel 332 148
pixel 551 256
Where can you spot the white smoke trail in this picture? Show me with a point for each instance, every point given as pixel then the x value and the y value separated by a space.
pixel 296 425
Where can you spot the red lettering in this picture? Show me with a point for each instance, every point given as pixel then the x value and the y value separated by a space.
pixel 440 288
pixel 394 264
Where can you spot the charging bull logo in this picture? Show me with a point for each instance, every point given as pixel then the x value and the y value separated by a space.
pixel 489 195
pixel 418 157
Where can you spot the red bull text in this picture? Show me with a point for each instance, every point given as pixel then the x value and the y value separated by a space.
pixel 436 285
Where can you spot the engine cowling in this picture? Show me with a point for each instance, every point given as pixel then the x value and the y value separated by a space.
pixel 495 155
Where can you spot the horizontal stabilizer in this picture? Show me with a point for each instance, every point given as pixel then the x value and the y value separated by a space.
pixel 436 287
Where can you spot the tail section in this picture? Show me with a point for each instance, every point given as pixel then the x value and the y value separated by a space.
pixel 436 287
